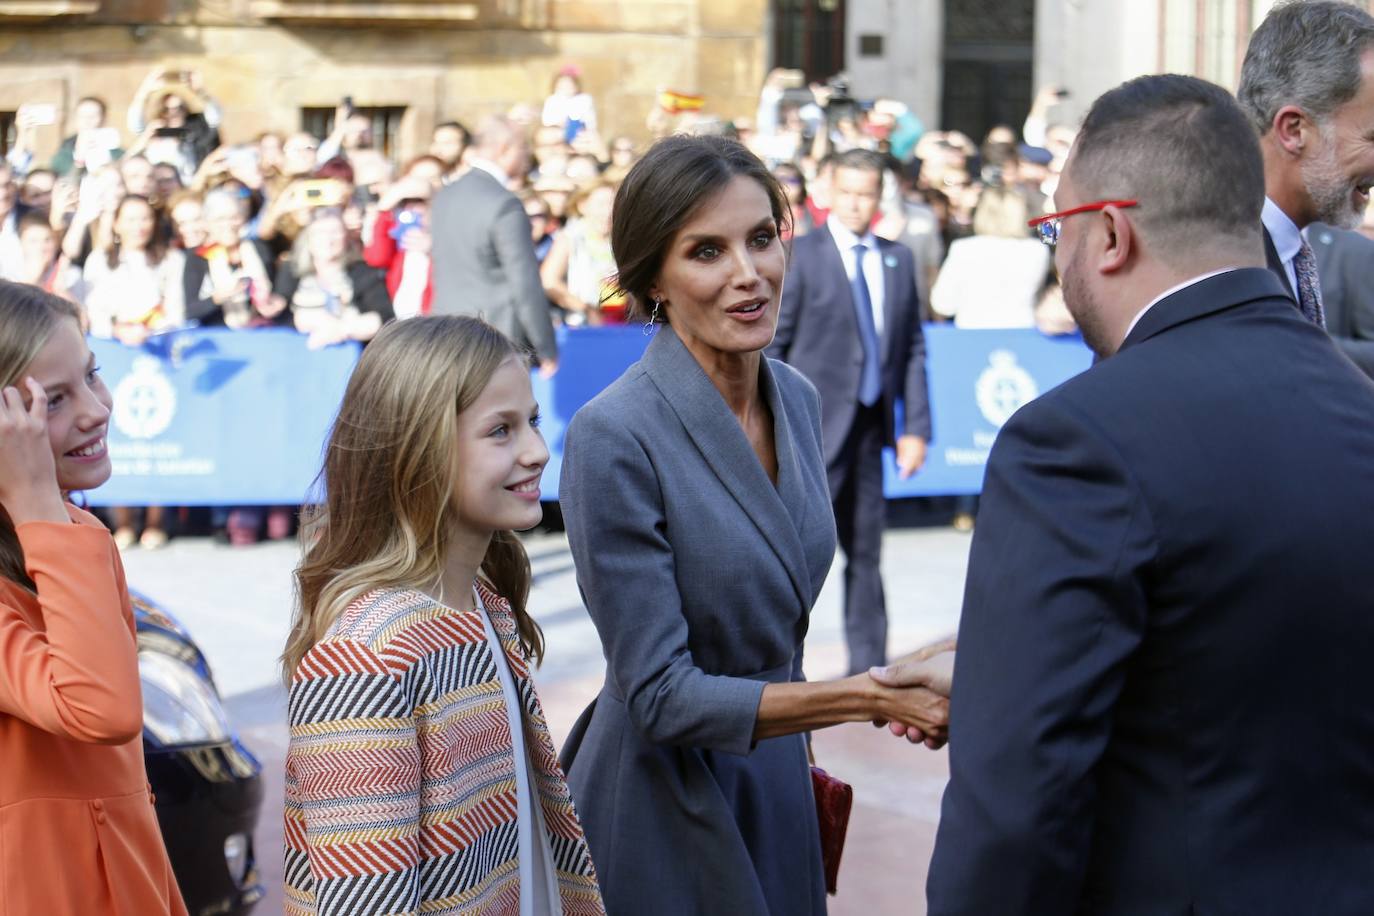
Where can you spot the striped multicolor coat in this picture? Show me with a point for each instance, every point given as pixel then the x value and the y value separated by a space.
pixel 400 778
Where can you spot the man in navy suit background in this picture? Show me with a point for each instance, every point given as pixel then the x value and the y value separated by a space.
pixel 1161 698
pixel 850 322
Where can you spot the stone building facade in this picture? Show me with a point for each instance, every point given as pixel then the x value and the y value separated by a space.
pixel 971 63
pixel 279 64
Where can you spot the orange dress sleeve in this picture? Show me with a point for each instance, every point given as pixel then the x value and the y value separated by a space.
pixel 73 671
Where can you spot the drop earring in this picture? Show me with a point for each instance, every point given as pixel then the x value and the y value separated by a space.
pixel 653 317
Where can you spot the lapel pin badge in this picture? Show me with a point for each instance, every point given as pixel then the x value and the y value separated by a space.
pixel 890 261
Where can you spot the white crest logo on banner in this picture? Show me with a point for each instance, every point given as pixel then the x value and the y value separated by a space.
pixel 1003 387
pixel 145 402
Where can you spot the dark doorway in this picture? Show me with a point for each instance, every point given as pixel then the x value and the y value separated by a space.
pixel 989 51
pixel 808 35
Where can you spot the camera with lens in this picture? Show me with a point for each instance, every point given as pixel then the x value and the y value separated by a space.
pixel 841 104
pixel 839 90
pixel 407 221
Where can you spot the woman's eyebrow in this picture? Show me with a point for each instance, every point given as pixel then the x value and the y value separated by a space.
pixel 712 237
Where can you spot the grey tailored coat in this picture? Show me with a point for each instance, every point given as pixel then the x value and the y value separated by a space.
pixel 700 576
pixel 484 261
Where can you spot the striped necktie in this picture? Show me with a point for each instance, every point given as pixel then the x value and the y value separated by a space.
pixel 1309 290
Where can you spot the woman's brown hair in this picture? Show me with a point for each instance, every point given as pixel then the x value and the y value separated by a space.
pixel 661 194
pixel 384 516
pixel 28 316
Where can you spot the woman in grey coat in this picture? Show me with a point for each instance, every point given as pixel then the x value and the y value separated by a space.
pixel 695 499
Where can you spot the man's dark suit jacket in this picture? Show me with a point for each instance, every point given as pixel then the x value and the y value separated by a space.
pixel 1345 267
pixel 1164 695
pixel 818 333
pixel 484 261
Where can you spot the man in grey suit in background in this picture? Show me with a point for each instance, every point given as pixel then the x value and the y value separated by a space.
pixel 484 262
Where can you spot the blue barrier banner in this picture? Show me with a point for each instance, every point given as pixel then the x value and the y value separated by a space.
pixel 978 379
pixel 589 359
pixel 217 417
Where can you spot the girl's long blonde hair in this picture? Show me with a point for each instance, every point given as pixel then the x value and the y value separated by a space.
pixel 387 486
pixel 28 316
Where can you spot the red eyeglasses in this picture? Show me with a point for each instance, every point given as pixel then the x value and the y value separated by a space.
pixel 1047 227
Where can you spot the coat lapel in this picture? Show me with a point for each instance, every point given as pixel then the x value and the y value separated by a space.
pixel 726 450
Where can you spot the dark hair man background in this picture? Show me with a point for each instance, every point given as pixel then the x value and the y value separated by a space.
pixel 1307 86
pixel 448 143
pixel 850 322
pixel 1169 612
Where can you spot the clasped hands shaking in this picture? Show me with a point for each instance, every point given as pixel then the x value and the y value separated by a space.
pixel 914 694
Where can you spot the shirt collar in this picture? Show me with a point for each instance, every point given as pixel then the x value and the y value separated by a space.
pixel 1285 233
pixel 846 240
pixel 491 168
pixel 1169 292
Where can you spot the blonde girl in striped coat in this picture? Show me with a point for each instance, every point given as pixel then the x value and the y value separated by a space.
pixel 420 775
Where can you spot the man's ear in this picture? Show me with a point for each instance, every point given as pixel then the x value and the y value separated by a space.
pixel 1291 129
pixel 1120 240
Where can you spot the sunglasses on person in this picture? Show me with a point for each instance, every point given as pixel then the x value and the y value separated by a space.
pixel 1047 227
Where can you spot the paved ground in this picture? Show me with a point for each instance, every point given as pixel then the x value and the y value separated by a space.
pixel 236 603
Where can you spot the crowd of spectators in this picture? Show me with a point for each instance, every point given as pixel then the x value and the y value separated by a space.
pixel 165 225
pixel 959 205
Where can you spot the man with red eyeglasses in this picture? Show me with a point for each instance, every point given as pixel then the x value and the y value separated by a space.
pixel 1161 695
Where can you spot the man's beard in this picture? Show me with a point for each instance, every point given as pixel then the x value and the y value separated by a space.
pixel 1084 309
pixel 1332 192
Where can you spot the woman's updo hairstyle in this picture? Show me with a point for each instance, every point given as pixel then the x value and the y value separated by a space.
pixel 662 192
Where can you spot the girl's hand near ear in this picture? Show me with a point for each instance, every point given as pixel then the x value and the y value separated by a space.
pixel 28 475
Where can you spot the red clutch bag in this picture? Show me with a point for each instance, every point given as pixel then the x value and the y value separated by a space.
pixel 833 801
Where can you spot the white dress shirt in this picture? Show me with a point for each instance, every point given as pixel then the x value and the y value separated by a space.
pixel 1287 239
pixel 873 265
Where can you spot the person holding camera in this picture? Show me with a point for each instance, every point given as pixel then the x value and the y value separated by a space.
pixel 188 136
pixel 44 265
pixel 235 288
pixel 332 294
pixel 11 212
pixel 26 122
pixel 93 145
pixel 399 243
pixel 352 132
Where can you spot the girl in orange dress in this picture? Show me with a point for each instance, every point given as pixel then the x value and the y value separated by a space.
pixel 78 834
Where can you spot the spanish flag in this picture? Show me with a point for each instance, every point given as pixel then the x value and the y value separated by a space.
pixel 676 102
